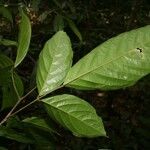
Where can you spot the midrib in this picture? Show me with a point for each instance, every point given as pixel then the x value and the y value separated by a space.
pixel 101 66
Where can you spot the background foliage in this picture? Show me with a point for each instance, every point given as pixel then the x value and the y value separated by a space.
pixel 125 112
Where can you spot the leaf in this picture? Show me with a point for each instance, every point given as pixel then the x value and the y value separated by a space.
pixel 74 28
pixel 24 38
pixel 7 42
pixel 9 94
pixel 9 97
pixel 5 61
pixel 39 123
pixel 39 137
pixel 14 135
pixel 58 23
pixel 6 13
pixel 43 16
pixel 117 63
pixel 14 123
pixel 75 114
pixel 54 62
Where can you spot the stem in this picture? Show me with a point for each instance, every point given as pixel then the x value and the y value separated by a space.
pixel 37 99
pixel 18 102
pixel 12 114
pixel 14 85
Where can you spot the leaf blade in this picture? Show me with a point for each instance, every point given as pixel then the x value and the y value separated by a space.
pixel 6 13
pixel 58 23
pixel 54 62
pixel 75 114
pixel 7 42
pixel 12 134
pixel 115 64
pixel 9 97
pixel 24 38
pixel 39 123
pixel 74 28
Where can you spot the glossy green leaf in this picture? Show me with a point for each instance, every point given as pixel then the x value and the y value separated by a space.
pixel 54 62
pixel 8 42
pixel 74 28
pixel 117 63
pixel 14 135
pixel 24 38
pixel 75 114
pixel 39 123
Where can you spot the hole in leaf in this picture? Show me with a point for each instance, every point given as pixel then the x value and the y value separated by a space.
pixel 140 50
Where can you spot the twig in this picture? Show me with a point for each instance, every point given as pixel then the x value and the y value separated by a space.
pixel 18 102
pixel 12 114
pixel 37 99
pixel 14 84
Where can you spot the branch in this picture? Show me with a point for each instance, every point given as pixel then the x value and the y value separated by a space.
pixel 18 102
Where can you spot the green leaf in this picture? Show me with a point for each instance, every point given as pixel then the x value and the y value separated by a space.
pixel 58 23
pixel 54 62
pixel 8 91
pixel 24 38
pixel 39 123
pixel 43 16
pixel 117 63
pixel 6 13
pixel 7 42
pixel 74 28
pixel 14 135
pixel 5 61
pixel 75 114
pixel 9 97
pixel 39 136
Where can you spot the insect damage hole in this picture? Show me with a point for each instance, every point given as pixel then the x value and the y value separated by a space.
pixel 140 50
